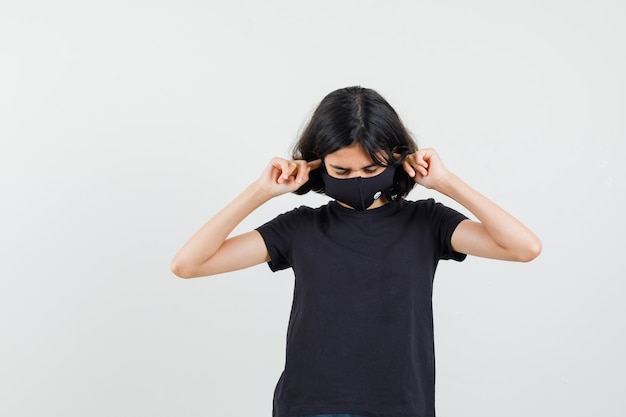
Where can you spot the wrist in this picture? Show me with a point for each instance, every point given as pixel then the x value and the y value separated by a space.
pixel 259 193
pixel 447 184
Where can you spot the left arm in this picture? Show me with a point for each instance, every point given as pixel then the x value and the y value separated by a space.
pixel 496 235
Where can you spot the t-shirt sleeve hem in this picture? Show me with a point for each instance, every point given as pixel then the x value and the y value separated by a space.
pixel 272 251
pixel 454 255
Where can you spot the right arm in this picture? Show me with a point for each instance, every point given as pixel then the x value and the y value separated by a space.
pixel 210 251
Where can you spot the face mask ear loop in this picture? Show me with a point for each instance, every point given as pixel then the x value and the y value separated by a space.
pixel 390 193
pixel 403 151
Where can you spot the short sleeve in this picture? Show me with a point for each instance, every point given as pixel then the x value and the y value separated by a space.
pixel 444 221
pixel 278 236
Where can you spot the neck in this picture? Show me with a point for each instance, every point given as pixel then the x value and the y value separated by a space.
pixel 376 204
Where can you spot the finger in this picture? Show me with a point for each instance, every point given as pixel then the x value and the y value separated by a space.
pixel 284 167
pixel 303 172
pixel 422 168
pixel 408 168
pixel 314 164
pixel 422 158
pixel 292 168
pixel 303 169
pixel 419 162
pixel 416 165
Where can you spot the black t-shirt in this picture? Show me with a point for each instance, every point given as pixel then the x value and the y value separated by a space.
pixel 360 335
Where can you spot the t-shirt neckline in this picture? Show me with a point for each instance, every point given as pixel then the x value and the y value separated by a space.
pixel 382 210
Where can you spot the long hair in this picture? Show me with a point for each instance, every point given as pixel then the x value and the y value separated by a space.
pixel 356 115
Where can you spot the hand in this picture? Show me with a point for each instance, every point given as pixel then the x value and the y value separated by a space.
pixel 282 176
pixel 425 167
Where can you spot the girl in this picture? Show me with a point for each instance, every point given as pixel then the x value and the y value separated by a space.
pixel 360 334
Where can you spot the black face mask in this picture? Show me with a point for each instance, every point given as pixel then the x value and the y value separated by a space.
pixel 360 192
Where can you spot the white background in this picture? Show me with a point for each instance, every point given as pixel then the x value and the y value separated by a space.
pixel 125 125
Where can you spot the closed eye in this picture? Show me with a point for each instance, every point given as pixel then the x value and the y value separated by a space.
pixel 345 172
pixel 368 170
pixel 342 171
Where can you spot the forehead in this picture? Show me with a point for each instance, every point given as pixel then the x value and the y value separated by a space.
pixel 353 156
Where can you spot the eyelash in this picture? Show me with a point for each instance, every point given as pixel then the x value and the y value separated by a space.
pixel 367 171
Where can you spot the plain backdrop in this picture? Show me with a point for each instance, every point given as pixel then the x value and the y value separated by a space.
pixel 125 125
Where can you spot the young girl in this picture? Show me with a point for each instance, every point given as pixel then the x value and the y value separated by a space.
pixel 360 335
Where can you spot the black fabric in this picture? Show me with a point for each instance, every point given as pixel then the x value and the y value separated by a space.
pixel 360 334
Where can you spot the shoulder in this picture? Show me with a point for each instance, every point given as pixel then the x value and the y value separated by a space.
pixel 304 212
pixel 284 228
pixel 423 206
pixel 426 204
pixel 432 211
pixel 296 216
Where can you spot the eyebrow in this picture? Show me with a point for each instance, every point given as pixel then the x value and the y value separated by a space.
pixel 340 168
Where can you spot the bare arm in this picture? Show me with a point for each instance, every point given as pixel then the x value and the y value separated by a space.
pixel 497 235
pixel 210 250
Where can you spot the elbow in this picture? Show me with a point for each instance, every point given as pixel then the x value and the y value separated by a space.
pixel 179 270
pixel 531 251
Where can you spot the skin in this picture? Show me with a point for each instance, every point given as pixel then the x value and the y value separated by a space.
pixel 210 251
